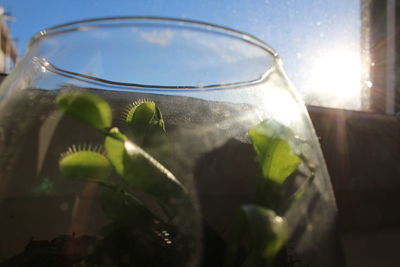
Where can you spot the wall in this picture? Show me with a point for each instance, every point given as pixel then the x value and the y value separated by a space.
pixel 362 151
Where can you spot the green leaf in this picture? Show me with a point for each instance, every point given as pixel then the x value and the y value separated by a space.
pixel 85 165
pixel 86 107
pixel 144 173
pixel 272 144
pixel 267 230
pixel 267 234
pixel 115 150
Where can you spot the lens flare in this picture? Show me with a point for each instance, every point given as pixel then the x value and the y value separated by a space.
pixel 336 77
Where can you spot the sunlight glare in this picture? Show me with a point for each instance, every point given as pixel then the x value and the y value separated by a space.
pixel 336 76
pixel 280 106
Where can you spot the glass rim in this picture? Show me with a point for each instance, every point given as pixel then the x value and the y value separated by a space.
pixel 60 28
pixel 102 22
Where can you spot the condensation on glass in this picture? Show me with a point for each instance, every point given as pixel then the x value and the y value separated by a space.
pixel 212 85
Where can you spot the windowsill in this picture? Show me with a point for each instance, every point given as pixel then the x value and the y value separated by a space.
pixel 361 150
pixel 362 153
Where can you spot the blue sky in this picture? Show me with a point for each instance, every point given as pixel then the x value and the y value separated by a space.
pixel 299 32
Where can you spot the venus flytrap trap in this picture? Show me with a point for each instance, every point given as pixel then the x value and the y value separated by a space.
pixel 260 229
pixel 85 164
pixel 144 125
pixel 144 118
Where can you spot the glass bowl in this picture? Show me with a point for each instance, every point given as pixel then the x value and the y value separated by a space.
pixel 139 141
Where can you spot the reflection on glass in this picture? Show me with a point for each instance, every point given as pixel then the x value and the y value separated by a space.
pixel 159 142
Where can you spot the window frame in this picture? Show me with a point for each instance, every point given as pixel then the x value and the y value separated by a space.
pixel 383 62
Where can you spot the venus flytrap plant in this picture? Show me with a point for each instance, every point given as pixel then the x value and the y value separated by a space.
pixel 137 169
pixel 260 227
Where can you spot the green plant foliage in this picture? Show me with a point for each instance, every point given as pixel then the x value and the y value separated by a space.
pixel 85 165
pixel 115 150
pixel 142 172
pixel 138 169
pixel 144 118
pixel 271 142
pixel 138 163
pixel 86 107
pixel 262 231
pixel 258 230
pixel 267 230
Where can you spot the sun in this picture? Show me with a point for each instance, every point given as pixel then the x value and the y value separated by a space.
pixel 335 77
